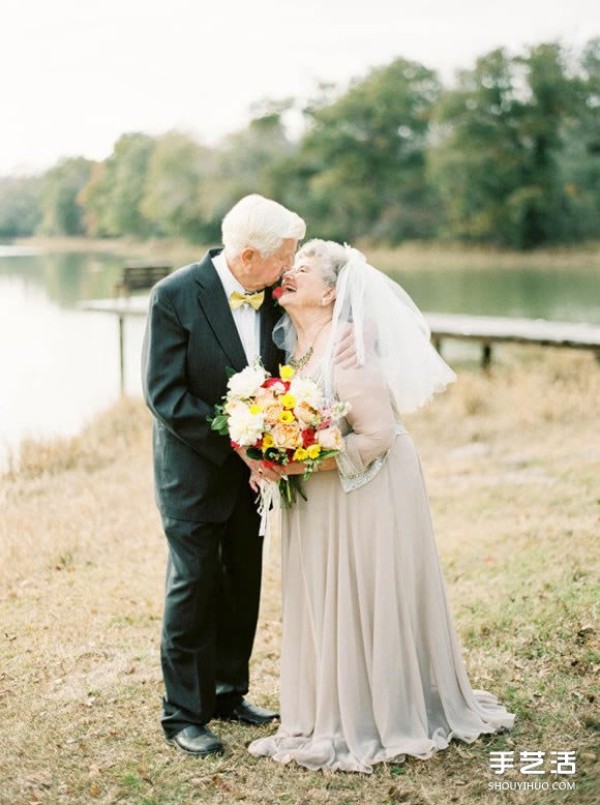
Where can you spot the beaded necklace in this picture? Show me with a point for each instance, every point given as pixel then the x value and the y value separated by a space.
pixel 300 363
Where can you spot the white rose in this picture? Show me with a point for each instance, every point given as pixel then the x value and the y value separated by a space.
pixel 245 427
pixel 233 405
pixel 246 383
pixel 307 391
pixel 330 438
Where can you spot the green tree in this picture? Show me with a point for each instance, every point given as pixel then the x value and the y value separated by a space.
pixel 499 139
pixel 538 206
pixel 113 196
pixel 244 163
pixel 63 213
pixel 477 157
pixel 360 168
pixel 579 161
pixel 20 206
pixel 177 171
pixel 95 199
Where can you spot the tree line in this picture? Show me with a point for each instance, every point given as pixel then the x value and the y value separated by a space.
pixel 508 156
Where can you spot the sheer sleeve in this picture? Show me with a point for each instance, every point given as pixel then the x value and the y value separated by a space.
pixel 371 421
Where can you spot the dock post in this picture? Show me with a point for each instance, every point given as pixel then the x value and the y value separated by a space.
pixel 122 354
pixel 486 355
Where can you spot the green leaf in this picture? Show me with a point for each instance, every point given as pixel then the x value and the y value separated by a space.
pixel 220 424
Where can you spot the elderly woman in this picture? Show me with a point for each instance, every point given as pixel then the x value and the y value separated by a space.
pixel 371 666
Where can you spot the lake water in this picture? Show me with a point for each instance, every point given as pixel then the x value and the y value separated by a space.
pixel 60 364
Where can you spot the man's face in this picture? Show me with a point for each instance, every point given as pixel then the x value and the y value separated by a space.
pixel 267 270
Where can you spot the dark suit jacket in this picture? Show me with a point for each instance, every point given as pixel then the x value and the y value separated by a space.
pixel 190 340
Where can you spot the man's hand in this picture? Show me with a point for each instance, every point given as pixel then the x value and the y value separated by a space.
pixel 346 349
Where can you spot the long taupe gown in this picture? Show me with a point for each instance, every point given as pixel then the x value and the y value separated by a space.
pixel 371 667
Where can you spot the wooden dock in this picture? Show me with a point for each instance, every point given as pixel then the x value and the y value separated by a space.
pixel 121 307
pixel 487 330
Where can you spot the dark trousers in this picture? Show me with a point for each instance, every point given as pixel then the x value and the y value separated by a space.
pixel 210 616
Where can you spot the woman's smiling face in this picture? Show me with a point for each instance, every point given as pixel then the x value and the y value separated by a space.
pixel 303 285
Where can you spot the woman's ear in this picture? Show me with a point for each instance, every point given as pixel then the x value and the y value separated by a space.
pixel 328 297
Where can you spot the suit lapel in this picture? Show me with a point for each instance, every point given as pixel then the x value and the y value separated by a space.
pixel 218 313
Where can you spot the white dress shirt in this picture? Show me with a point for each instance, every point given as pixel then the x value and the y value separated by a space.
pixel 247 320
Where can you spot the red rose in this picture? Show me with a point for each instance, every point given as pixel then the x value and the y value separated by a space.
pixel 308 437
pixel 277 292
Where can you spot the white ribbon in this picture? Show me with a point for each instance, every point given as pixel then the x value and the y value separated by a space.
pixel 269 508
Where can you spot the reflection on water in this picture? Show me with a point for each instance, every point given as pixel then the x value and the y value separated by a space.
pixel 60 365
pixel 559 295
pixel 64 279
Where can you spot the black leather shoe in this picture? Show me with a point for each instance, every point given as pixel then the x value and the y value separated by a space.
pixel 247 713
pixel 197 740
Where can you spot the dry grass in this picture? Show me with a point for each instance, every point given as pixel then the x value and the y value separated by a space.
pixel 422 256
pixel 512 469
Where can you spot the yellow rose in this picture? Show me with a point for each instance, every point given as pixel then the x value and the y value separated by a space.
pixel 286 372
pixel 301 454
pixel 267 441
pixel 288 401
pixel 286 417
pixel 314 451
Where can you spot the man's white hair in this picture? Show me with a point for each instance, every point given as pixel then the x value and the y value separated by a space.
pixel 259 223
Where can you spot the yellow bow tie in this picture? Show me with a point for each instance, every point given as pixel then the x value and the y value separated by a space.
pixel 237 299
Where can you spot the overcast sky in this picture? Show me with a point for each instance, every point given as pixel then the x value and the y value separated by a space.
pixel 75 75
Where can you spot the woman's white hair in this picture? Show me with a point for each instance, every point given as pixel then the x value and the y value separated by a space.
pixel 332 257
pixel 259 223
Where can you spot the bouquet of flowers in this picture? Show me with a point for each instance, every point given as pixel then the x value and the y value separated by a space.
pixel 280 419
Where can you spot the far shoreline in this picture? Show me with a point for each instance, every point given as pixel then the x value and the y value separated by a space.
pixel 412 255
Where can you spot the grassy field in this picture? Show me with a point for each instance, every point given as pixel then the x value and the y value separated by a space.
pixel 512 461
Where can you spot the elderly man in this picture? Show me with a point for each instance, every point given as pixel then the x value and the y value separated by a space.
pixel 204 318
